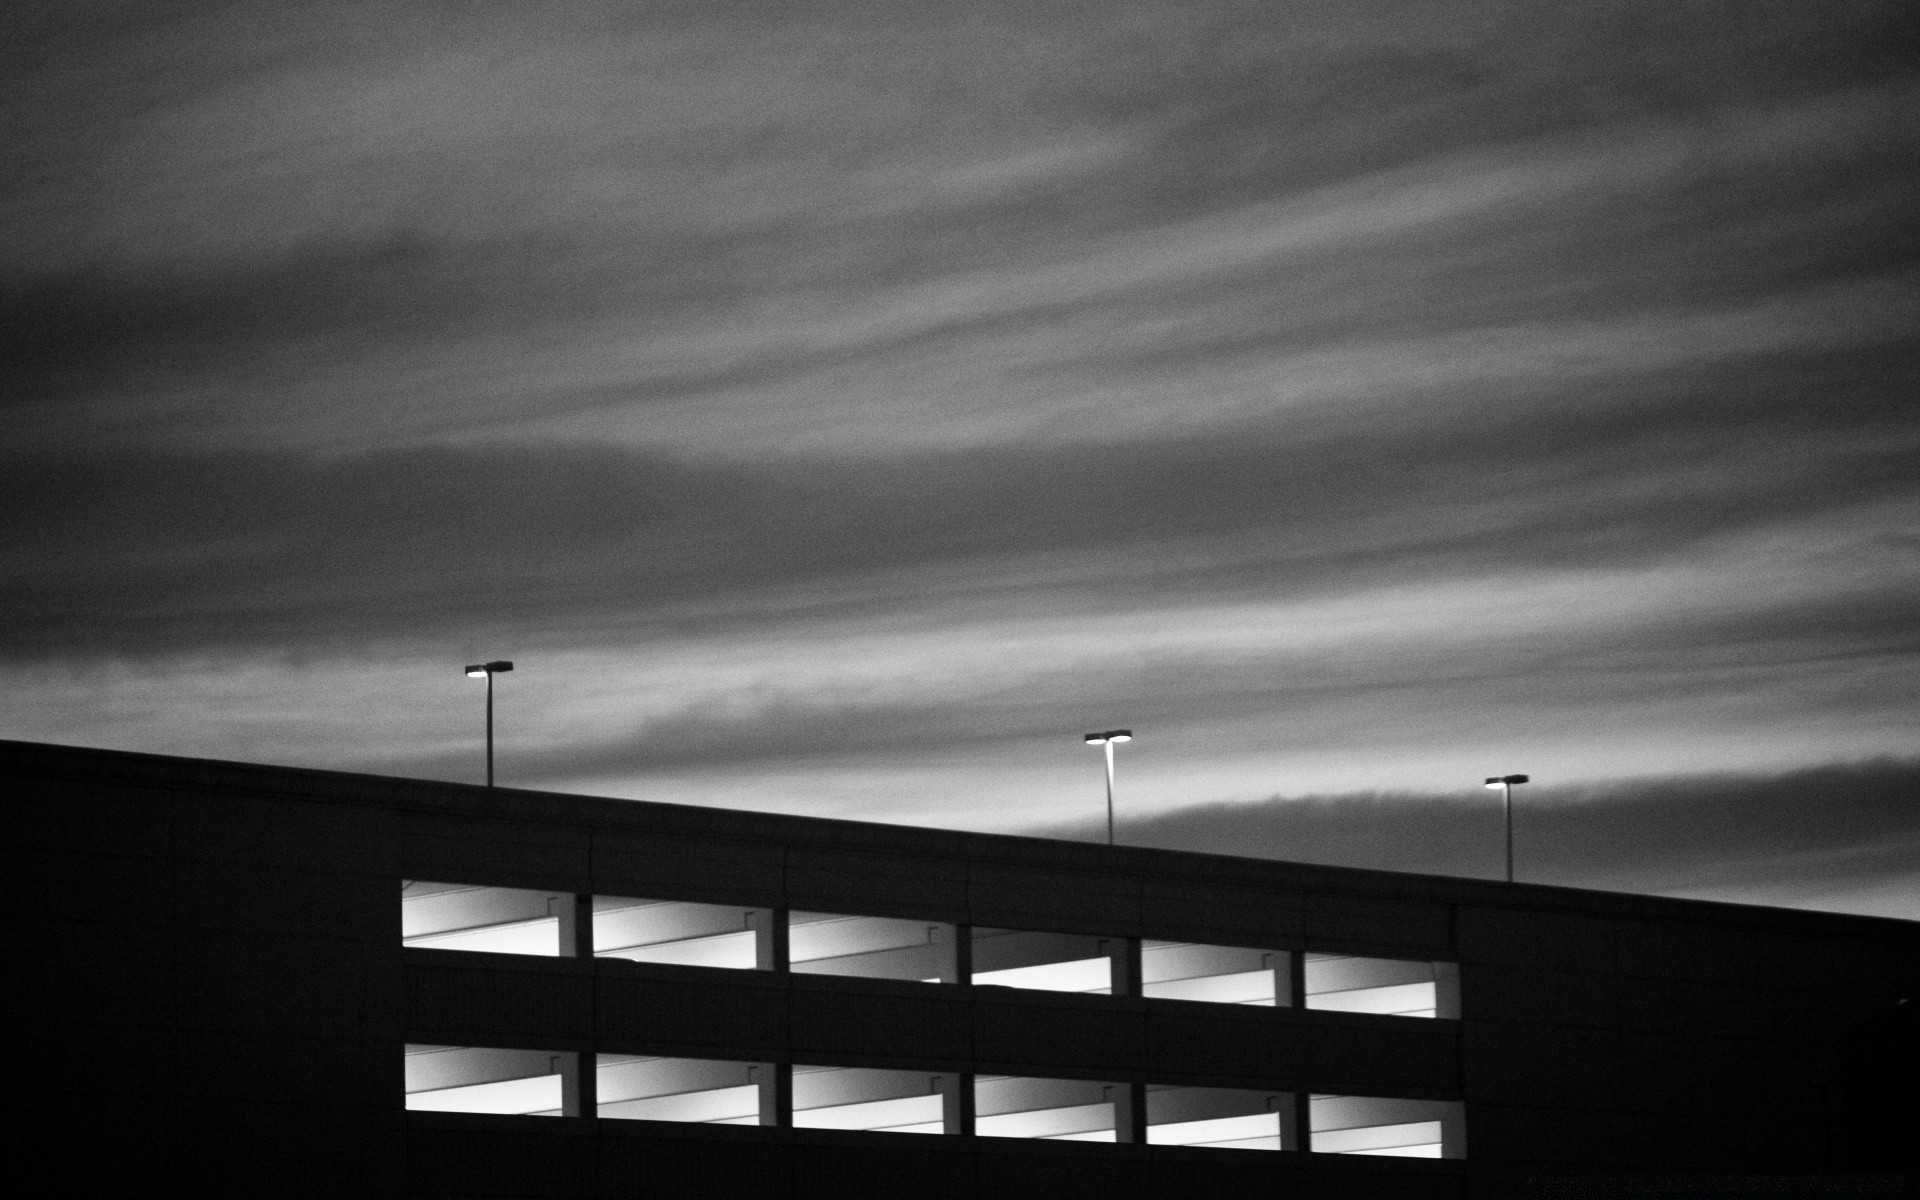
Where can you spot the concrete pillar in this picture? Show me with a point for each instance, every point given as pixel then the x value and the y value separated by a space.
pixel 577 1079
pixel 1296 980
pixel 1302 1123
pixel 1129 1111
pixel 1123 957
pixel 1453 1132
pixel 1292 1120
pixel 956 1103
pixel 576 926
pixel 776 1092
pixel 1446 990
pixel 770 943
pixel 957 964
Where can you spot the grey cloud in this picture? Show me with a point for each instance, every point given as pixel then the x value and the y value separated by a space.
pixel 1818 829
pixel 112 552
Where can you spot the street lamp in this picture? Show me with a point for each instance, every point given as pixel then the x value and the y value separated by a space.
pixel 1109 739
pixel 487 670
pixel 1504 783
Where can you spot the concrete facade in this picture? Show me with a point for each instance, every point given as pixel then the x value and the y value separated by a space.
pixel 217 999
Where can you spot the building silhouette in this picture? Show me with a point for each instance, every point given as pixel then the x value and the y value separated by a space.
pixel 262 981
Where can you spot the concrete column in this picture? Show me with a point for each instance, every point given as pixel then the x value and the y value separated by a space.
pixel 1453 1132
pixel 577 1080
pixel 1296 979
pixel 1302 1122
pixel 1292 1120
pixel 1280 962
pixel 956 1103
pixel 576 926
pixel 1129 1111
pixel 958 962
pixel 1123 956
pixel 1446 990
pixel 776 1092
pixel 769 938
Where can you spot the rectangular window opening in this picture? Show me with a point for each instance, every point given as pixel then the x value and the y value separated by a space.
pixel 487 1079
pixel 1213 974
pixel 635 1087
pixel 1220 1118
pixel 491 920
pixel 680 932
pixel 870 947
pixel 1376 1125
pixel 1050 962
pixel 1387 986
pixel 872 1099
pixel 1072 1110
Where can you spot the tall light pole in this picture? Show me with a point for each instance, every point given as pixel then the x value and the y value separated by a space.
pixel 1504 783
pixel 1109 739
pixel 488 670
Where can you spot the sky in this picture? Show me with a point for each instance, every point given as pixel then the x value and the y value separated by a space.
pixel 839 408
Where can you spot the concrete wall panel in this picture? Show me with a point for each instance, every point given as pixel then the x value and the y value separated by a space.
pixel 1229 1047
pixel 1547 940
pixel 222 895
pixel 121 892
pixel 1045 1031
pixel 1534 996
pixel 497 853
pixel 1221 914
pixel 1379 927
pixel 924 1024
pixel 703 1014
pixel 1057 901
pixel 689 868
pixel 504 1158
pixel 497 1003
pixel 93 817
pixel 876 885
pixel 299 836
pixel 1352 1056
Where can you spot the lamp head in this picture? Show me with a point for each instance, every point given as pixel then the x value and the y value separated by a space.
pixel 477 671
pixel 1096 739
pixel 1495 782
pixel 1120 735
pixel 482 670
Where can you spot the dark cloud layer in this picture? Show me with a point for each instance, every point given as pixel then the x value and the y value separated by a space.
pixel 113 552
pixel 1343 392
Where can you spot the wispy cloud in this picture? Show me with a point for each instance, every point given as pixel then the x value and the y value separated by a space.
pixel 1828 836
pixel 834 405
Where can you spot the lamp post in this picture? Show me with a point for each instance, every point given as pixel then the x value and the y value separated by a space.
pixel 1505 785
pixel 488 670
pixel 1109 739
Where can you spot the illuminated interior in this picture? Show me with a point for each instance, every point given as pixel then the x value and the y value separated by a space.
pixel 870 947
pixel 483 1079
pixel 1070 1110
pixel 1389 986
pixel 1215 974
pixel 678 932
pixel 1051 962
pixel 635 1087
pixel 1379 1126
pixel 870 1099
pixel 492 920
pixel 1219 1118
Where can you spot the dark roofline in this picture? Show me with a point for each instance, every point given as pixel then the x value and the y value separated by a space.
pixel 436 797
